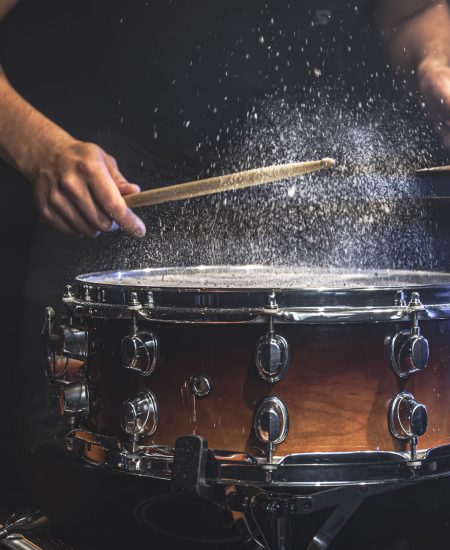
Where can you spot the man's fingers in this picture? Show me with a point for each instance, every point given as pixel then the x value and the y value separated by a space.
pixel 107 196
pixel 79 193
pixel 72 216
pixel 128 188
pixel 54 219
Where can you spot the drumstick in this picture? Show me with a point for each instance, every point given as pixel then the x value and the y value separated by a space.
pixel 433 169
pixel 437 179
pixel 239 180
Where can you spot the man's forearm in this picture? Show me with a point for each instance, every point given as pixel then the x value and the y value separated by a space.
pixel 25 133
pixel 416 32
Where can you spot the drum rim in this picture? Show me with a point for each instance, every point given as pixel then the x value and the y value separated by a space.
pixel 230 305
pixel 310 470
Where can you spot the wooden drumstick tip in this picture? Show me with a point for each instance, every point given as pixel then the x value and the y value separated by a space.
pixel 328 162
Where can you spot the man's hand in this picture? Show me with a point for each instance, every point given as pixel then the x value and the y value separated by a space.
pixel 434 85
pixel 417 36
pixel 79 190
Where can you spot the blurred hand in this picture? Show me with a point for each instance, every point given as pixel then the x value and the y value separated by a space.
pixel 79 190
pixel 434 86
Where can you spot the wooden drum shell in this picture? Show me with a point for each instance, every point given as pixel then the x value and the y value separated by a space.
pixel 337 388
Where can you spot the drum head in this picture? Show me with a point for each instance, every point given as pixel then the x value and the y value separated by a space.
pixel 263 277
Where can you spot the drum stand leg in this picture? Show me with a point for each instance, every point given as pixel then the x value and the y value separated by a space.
pixel 283 527
pixel 334 524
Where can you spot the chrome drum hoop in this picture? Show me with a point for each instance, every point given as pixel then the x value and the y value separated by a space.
pixel 297 470
pixel 97 295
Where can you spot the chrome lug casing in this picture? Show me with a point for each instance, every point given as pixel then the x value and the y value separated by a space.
pixel 272 357
pixel 409 350
pixel 139 352
pixel 407 417
pixel 139 416
pixel 74 399
pixel 72 342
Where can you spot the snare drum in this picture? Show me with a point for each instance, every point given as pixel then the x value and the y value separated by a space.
pixel 295 377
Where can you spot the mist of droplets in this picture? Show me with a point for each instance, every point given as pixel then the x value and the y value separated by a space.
pixel 366 213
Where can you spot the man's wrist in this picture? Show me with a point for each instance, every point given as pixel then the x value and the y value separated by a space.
pixel 40 148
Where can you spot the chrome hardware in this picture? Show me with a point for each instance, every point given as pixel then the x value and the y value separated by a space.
pixel 400 299
pixel 49 341
pixel 68 294
pixel 272 301
pixel 201 386
pixel 368 468
pixel 139 416
pixel 139 352
pixel 72 342
pixel 134 303
pixel 29 521
pixel 272 355
pixel 74 399
pixel 409 350
pixel 87 293
pixel 271 423
pixel 408 419
pixel 343 297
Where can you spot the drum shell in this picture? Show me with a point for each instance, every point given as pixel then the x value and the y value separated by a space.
pixel 337 388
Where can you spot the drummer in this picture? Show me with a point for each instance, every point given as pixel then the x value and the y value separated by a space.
pixel 78 186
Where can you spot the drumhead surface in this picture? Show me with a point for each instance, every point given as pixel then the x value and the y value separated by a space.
pixel 265 277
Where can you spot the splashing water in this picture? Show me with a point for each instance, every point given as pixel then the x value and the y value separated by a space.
pixel 366 214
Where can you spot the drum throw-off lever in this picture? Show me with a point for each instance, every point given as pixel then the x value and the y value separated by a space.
pixel 189 467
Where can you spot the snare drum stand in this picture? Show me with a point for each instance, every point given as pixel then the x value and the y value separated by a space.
pixel 189 478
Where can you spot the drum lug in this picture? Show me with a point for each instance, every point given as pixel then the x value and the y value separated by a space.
pixel 139 416
pixel 408 420
pixel 271 423
pixel 272 355
pixel 65 352
pixel 74 399
pixel 409 350
pixel 139 350
pixel 72 342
